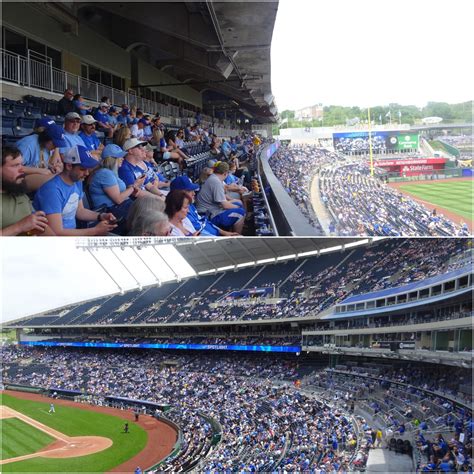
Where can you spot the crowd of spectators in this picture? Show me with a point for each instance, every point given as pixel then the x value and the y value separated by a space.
pixel 317 284
pixel 356 202
pixel 115 170
pixel 428 409
pixel 296 167
pixel 364 205
pixel 265 426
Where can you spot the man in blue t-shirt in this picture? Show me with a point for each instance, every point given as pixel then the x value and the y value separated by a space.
pixel 134 167
pixel 124 116
pixel 72 123
pixel 102 117
pixel 200 222
pixel 90 139
pixel 61 198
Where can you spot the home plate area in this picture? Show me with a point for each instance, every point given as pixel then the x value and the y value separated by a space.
pixel 63 447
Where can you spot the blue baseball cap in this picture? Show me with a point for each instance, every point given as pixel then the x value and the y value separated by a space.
pixel 183 182
pixel 80 155
pixel 113 151
pixel 44 122
pixel 56 133
pixel 143 121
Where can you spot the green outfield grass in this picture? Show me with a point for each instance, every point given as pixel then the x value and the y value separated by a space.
pixel 455 196
pixel 19 438
pixel 77 422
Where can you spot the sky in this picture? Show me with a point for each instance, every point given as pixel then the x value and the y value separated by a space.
pixel 40 274
pixel 366 52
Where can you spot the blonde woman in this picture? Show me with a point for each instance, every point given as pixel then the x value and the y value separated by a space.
pixel 122 135
pixel 106 189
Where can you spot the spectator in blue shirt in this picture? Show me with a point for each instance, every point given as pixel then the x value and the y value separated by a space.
pixel 124 116
pixel 80 106
pixel 90 139
pixel 41 156
pixel 61 198
pixel 102 117
pixel 72 123
pixel 200 222
pixel 134 167
pixel 113 114
pixel 107 189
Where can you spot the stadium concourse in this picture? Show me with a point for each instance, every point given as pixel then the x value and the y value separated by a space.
pixel 324 359
pixel 348 201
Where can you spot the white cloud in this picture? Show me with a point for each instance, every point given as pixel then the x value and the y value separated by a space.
pixel 366 53
pixel 39 274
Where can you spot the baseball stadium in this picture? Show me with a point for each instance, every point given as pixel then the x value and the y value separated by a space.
pixel 241 355
pixel 186 122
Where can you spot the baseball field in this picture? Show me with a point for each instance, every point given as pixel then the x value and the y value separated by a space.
pixel 77 437
pixel 452 197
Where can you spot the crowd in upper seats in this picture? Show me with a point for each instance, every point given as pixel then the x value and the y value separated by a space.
pixel 264 427
pixel 413 408
pixel 319 283
pixel 356 202
pixel 115 170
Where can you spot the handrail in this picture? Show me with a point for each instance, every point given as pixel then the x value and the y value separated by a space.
pixel 29 72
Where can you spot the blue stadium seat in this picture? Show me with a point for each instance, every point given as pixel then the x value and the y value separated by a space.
pixel 27 123
pixel 21 132
pixel 18 109
pixel 34 110
pixel 8 121
pixel 59 120
pixel 8 139
pixel 6 103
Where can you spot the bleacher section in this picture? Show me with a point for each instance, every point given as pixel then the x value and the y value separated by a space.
pixel 303 287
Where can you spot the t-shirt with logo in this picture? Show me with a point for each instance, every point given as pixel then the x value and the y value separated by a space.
pixel 91 142
pixel 58 197
pixel 101 117
pixel 129 173
pixel 72 140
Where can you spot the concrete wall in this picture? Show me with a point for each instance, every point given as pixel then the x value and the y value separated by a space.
pixel 88 47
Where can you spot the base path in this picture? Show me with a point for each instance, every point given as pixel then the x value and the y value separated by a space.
pixel 161 436
pixel 441 210
pixel 64 446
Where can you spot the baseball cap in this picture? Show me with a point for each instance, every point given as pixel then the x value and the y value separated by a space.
pixel 104 104
pixel 44 122
pixel 143 121
pixel 132 143
pixel 80 155
pixel 183 182
pixel 221 167
pixel 56 133
pixel 113 109
pixel 114 151
pixel 88 119
pixel 72 116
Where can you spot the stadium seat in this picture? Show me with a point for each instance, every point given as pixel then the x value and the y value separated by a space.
pixel 26 123
pixel 8 122
pixel 8 139
pixel 18 108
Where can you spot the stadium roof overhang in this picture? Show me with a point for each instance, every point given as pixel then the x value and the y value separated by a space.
pixel 221 49
pixel 219 254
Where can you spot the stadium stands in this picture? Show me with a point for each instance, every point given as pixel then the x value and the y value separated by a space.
pixel 356 203
pixel 262 420
pixel 297 289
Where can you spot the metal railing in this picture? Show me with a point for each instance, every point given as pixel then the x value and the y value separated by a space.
pixel 37 71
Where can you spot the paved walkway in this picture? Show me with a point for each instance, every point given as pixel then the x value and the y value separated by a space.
pixel 319 208
pixel 384 460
